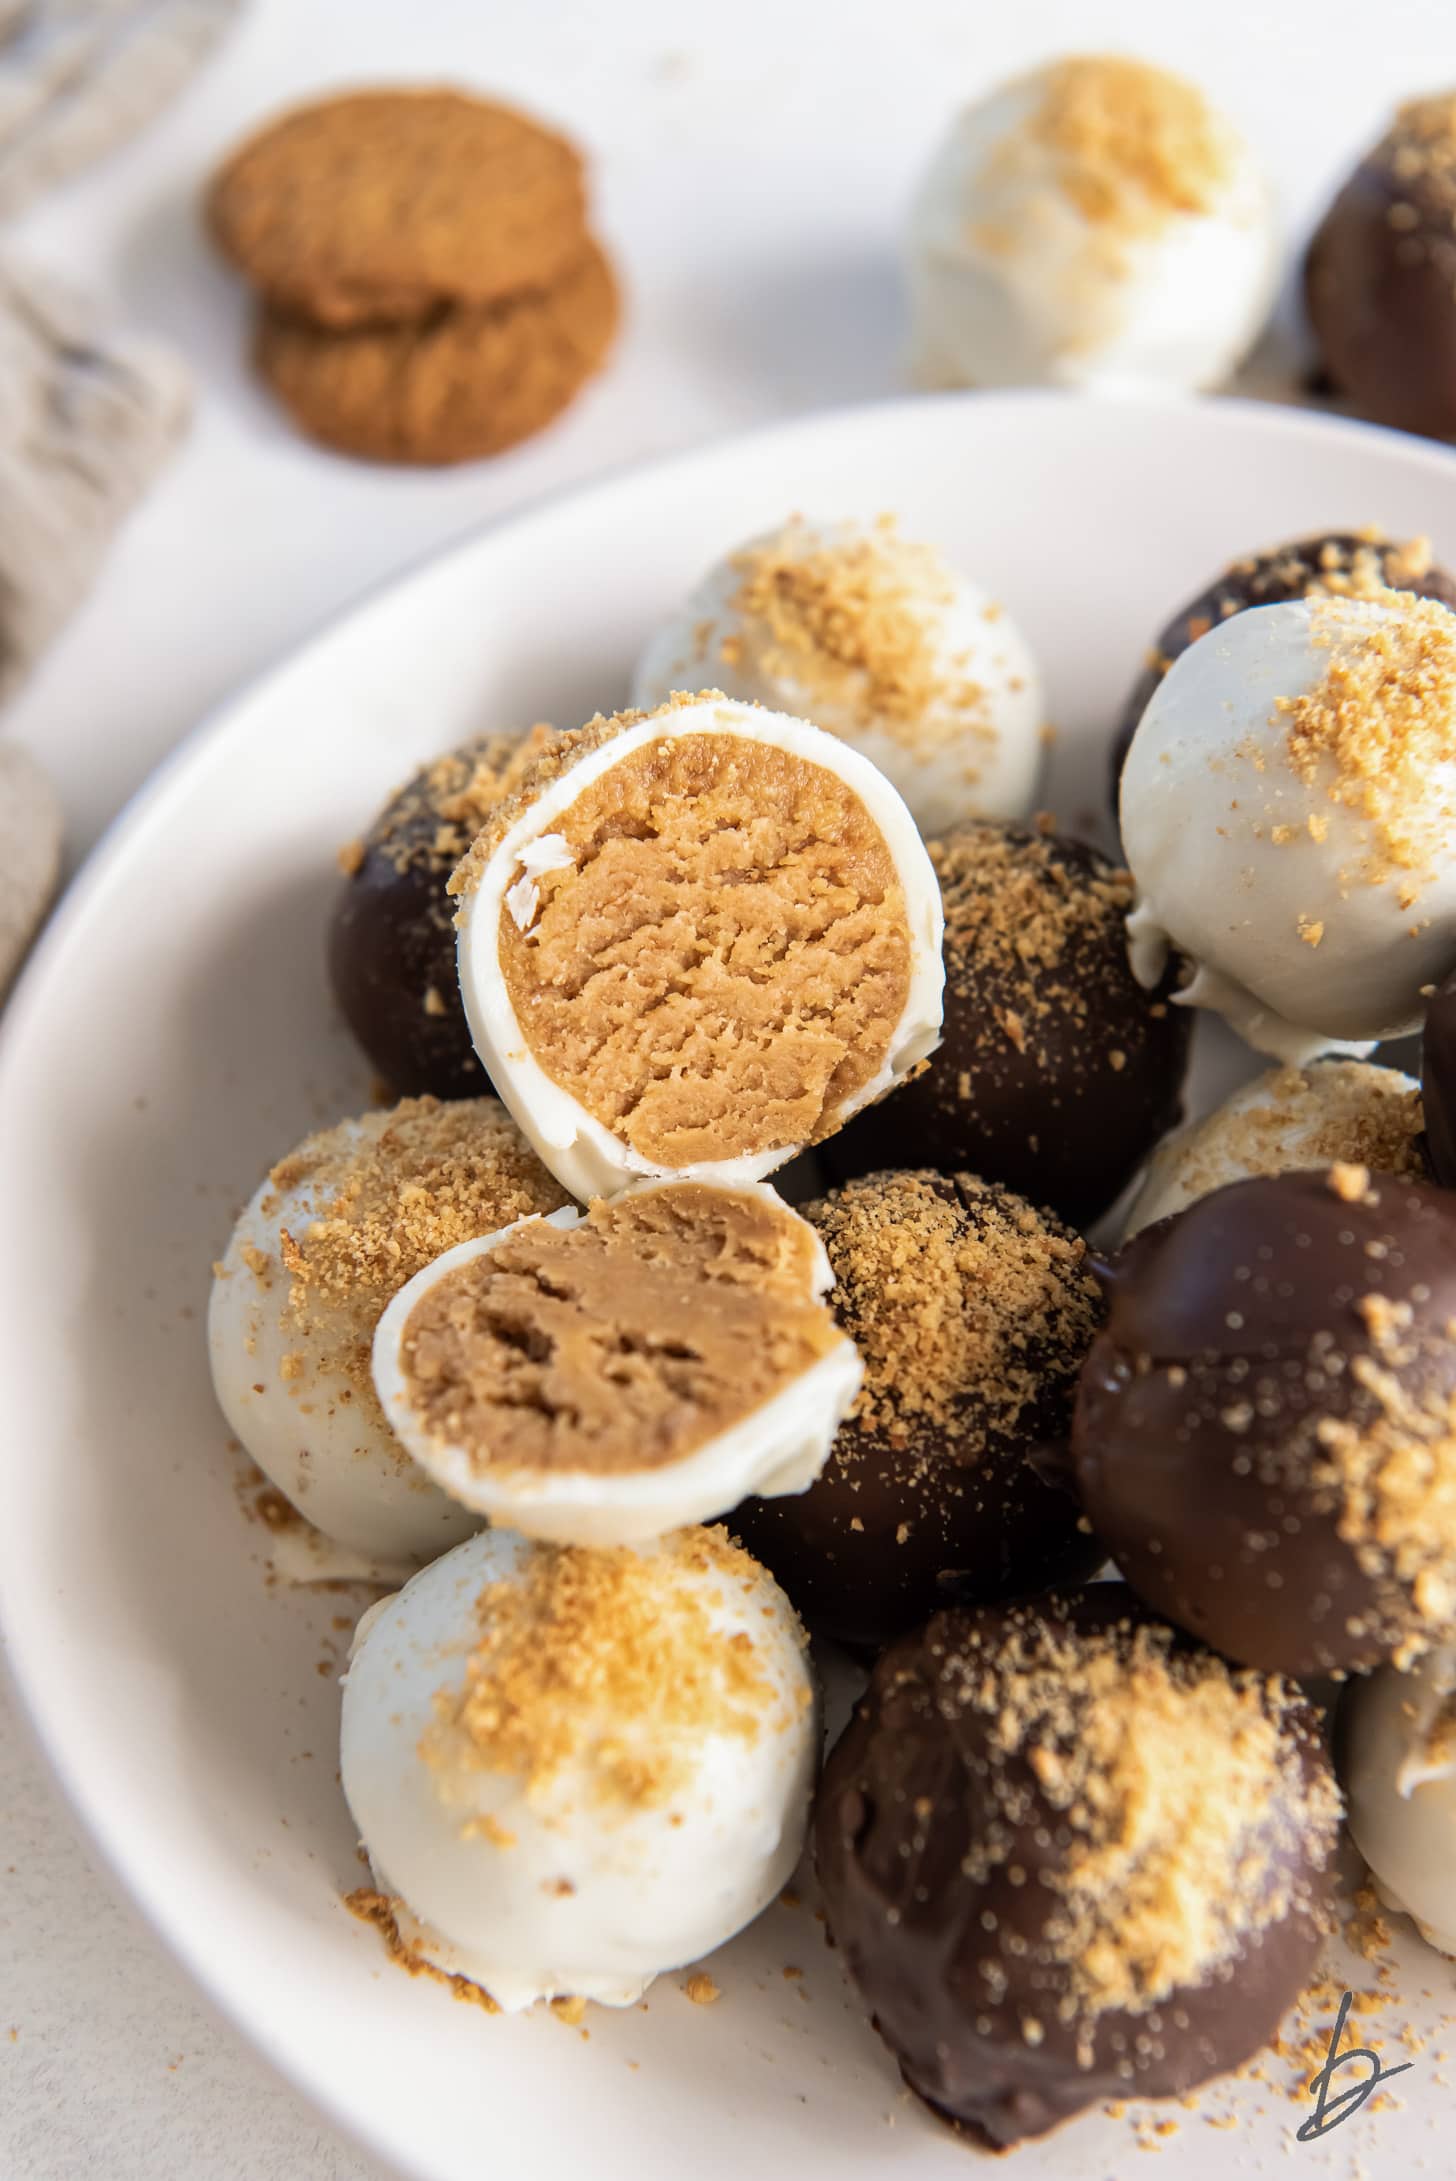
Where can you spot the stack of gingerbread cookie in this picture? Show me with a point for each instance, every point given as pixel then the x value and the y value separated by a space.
pixel 430 291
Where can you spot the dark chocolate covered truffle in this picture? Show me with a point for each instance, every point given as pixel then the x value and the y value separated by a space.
pixel 1438 1082
pixel 1333 563
pixel 1057 1072
pixel 1265 1433
pixel 972 1313
pixel 391 944
pixel 1068 1857
pixel 1380 276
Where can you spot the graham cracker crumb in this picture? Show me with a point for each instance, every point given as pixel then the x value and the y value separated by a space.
pixel 948 1287
pixel 1420 151
pixel 1350 1183
pixel 701 1989
pixel 851 621
pixel 381 1910
pixel 383 1196
pixel 1380 728
pixel 554 755
pixel 429 823
pixel 1022 918
pixel 1134 146
pixel 610 1662
pixel 1164 1766
pixel 1344 1113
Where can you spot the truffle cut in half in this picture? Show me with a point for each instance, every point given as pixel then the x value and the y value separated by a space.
pixel 700 939
pixel 601 1377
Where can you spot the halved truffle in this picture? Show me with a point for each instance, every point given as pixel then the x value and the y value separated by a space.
pixel 601 1377
pixel 699 941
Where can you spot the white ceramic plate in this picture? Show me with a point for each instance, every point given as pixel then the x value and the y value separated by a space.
pixel 175 1034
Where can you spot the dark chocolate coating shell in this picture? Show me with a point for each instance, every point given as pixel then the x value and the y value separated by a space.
pixel 912 1513
pixel 391 958
pixel 391 941
pixel 1319 563
pixel 904 1800
pixel 1004 1533
pixel 1236 1330
pixel 1058 1072
pixel 1380 290
pixel 1438 1083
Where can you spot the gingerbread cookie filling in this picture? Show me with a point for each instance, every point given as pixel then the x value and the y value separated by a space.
pixel 765 978
pixel 623 1342
pixel 581 1355
pixel 716 935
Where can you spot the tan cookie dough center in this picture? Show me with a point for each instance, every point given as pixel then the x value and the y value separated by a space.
pixel 724 961
pixel 624 1343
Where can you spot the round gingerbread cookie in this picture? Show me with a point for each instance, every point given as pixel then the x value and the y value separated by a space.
pixel 378 206
pixel 463 383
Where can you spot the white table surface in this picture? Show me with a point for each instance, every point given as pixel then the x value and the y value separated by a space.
pixel 752 161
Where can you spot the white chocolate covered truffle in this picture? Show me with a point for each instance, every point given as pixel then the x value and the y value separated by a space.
pixel 573 1770
pixel 698 941
pixel 332 1233
pixel 1289 816
pixel 1398 1766
pixel 599 1378
pixel 1337 1112
pixel 879 640
pixel 1095 224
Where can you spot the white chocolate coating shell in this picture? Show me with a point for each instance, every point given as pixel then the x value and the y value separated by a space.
pixel 1400 1783
pixel 586 1157
pixel 977 760
pixel 1011 285
pixel 1198 823
pixel 781 1447
pixel 1283 1121
pixel 316 1431
pixel 582 1901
